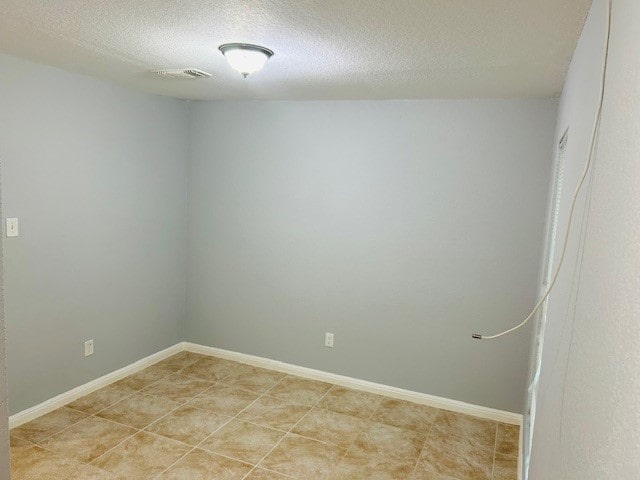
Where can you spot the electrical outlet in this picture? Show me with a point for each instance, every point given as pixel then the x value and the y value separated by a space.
pixel 88 348
pixel 12 227
pixel 328 340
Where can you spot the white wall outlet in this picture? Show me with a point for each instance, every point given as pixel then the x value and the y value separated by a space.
pixel 88 348
pixel 12 227
pixel 328 340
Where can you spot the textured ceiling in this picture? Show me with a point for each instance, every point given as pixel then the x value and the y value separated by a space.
pixel 325 49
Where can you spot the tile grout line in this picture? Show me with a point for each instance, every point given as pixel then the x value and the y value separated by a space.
pixel 415 467
pixel 288 432
pixel 57 431
pixel 368 419
pixel 140 430
pixel 235 417
pixel 66 458
pixel 495 448
pixel 137 430
pixel 199 443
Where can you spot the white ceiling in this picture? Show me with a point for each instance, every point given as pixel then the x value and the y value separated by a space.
pixel 324 49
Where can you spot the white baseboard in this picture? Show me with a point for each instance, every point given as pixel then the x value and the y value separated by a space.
pixel 393 392
pixel 61 400
pixel 357 384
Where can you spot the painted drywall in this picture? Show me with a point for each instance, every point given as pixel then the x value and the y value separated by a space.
pixel 4 409
pixel 96 175
pixel 588 418
pixel 402 227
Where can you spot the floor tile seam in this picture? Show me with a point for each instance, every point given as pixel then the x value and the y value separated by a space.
pixel 174 463
pixel 108 406
pixel 495 448
pixel 201 378
pixel 316 402
pixel 140 392
pixel 118 423
pixel 453 455
pixel 360 429
pixel 198 444
pixel 196 407
pixel 146 429
pixel 106 452
pixel 224 385
pixel 265 456
pixel 460 439
pixel 367 420
pixel 162 395
pixel 424 445
pixel 277 383
pixel 30 447
pixel 179 373
pixel 378 405
pixel 13 432
pixel 269 427
pixel 139 430
pixel 181 404
pixel 67 458
pixel 146 386
pixel 191 448
pixel 228 457
pixel 324 442
pixel 58 431
pixel 284 436
pixel 286 375
pixel 248 390
pixel 184 366
pixel 458 455
pixel 509 455
pixel 333 467
pixel 234 417
pixel 197 447
pixel 291 402
pixel 223 382
pixel 268 470
pixel 325 409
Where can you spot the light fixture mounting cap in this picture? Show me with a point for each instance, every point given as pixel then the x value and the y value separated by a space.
pixel 245 46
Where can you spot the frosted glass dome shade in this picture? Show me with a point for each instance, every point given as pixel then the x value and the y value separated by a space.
pixel 245 58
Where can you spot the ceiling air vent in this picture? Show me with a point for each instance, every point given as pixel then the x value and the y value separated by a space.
pixel 182 73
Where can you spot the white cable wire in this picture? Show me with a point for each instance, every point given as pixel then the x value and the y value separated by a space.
pixel 585 173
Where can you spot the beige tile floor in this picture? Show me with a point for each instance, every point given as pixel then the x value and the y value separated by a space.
pixel 193 417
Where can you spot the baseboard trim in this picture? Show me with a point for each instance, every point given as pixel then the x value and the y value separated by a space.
pixel 58 401
pixel 364 385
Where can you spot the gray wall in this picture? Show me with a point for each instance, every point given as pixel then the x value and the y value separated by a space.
pixel 402 227
pixel 588 418
pixel 97 176
pixel 4 410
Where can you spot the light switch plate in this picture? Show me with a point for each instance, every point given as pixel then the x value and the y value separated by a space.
pixel 12 227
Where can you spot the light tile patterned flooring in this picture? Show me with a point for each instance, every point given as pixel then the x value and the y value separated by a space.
pixel 193 417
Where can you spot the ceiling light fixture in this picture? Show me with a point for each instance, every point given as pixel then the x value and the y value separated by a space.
pixel 244 57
